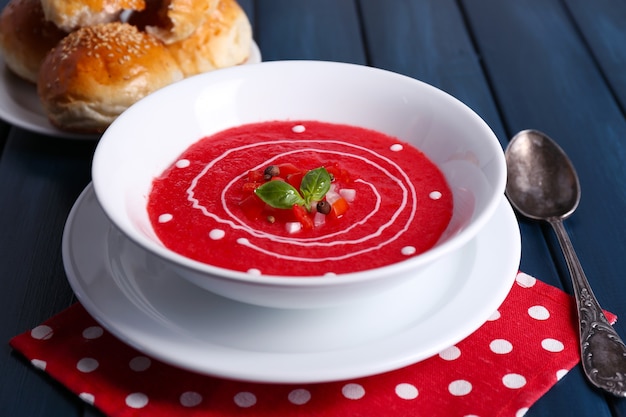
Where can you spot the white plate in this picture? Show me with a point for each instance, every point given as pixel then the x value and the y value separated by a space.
pixel 20 105
pixel 175 322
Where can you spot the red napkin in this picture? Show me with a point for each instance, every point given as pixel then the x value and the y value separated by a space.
pixel 500 370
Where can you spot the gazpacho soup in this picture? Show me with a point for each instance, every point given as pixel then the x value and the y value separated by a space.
pixel 300 198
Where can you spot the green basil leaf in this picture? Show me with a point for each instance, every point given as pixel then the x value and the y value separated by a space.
pixel 279 194
pixel 315 184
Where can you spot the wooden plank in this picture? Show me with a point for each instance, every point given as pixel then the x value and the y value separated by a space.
pixel 248 7
pixel 428 40
pixel 299 29
pixel 602 24
pixel 40 179
pixel 571 397
pixel 566 96
pixel 530 83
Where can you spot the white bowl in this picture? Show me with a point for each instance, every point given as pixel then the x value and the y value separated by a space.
pixel 149 136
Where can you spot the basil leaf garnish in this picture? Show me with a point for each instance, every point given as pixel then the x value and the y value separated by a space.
pixel 315 184
pixel 279 194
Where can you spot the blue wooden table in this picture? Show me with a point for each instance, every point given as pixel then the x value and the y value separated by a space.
pixel 553 65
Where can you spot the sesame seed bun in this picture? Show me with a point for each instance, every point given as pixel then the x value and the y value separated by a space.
pixel 223 40
pixel 73 14
pixel 26 37
pixel 97 72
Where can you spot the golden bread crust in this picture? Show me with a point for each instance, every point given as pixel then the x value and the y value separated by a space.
pixel 97 72
pixel 26 37
pixel 223 40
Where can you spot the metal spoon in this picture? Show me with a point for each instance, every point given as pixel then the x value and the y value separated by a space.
pixel 543 185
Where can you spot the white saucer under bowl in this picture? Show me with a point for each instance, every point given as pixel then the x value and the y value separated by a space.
pixel 169 319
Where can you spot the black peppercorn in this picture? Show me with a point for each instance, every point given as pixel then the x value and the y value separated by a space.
pixel 323 207
pixel 271 171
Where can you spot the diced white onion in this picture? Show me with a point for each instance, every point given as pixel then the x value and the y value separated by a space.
pixel 319 219
pixel 332 196
pixel 348 193
pixel 293 227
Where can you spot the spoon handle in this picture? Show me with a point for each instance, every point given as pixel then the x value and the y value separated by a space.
pixel 603 353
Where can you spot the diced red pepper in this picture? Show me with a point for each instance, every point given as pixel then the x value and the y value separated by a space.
pixel 338 173
pixel 252 207
pixel 287 169
pixel 339 208
pixel 255 175
pixel 249 187
pixel 303 217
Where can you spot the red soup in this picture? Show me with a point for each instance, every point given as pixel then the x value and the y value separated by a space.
pixel 300 198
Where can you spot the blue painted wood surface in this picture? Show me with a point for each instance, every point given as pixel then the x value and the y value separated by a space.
pixel 557 66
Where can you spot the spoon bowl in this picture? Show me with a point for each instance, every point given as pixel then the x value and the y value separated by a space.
pixel 542 184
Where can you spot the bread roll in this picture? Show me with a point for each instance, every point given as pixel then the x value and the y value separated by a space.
pixel 173 20
pixel 97 72
pixel 73 14
pixel 223 40
pixel 26 37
